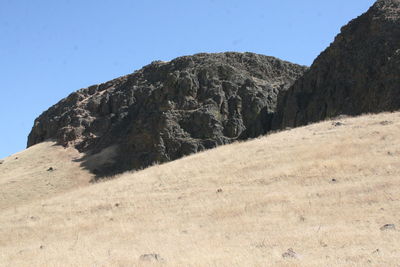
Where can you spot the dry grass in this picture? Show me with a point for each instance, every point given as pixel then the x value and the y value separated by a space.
pixel 277 193
pixel 25 176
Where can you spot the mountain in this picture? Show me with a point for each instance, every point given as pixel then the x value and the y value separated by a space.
pixel 325 194
pixel 358 73
pixel 167 110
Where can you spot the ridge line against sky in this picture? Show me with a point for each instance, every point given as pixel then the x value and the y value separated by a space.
pixel 49 49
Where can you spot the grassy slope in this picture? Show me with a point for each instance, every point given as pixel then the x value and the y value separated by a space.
pixel 277 193
pixel 25 176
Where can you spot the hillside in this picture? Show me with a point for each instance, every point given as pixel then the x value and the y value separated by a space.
pixel 39 172
pixel 324 191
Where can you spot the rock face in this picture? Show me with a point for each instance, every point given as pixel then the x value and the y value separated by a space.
pixel 358 73
pixel 169 109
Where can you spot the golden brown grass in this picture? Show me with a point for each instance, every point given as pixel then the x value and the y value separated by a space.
pixel 25 176
pixel 322 190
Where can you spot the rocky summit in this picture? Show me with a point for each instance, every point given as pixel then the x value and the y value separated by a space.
pixel 167 110
pixel 358 73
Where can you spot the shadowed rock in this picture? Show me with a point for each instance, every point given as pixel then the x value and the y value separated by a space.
pixel 358 73
pixel 167 110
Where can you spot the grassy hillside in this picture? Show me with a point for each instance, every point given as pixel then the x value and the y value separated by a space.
pixel 40 172
pixel 324 191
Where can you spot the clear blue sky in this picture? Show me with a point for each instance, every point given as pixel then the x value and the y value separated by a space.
pixel 50 48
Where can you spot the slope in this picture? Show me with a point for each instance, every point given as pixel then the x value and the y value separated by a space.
pixel 323 191
pixel 40 172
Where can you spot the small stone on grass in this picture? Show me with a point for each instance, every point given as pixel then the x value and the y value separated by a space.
pixel 385 122
pixel 337 123
pixel 289 254
pixel 153 257
pixel 388 226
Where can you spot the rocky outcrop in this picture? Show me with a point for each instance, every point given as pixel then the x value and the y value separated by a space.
pixel 169 109
pixel 358 73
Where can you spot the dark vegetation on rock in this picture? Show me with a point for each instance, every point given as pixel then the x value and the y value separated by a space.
pixel 168 110
pixel 358 73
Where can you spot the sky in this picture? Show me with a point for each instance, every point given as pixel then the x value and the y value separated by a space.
pixel 49 49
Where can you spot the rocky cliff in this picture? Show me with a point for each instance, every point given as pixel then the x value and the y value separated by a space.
pixel 169 109
pixel 358 73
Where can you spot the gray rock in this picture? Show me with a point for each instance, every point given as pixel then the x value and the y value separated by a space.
pixel 289 254
pixel 151 257
pixel 384 123
pixel 167 110
pixel 1 161
pixel 358 73
pixel 337 123
pixel 388 227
